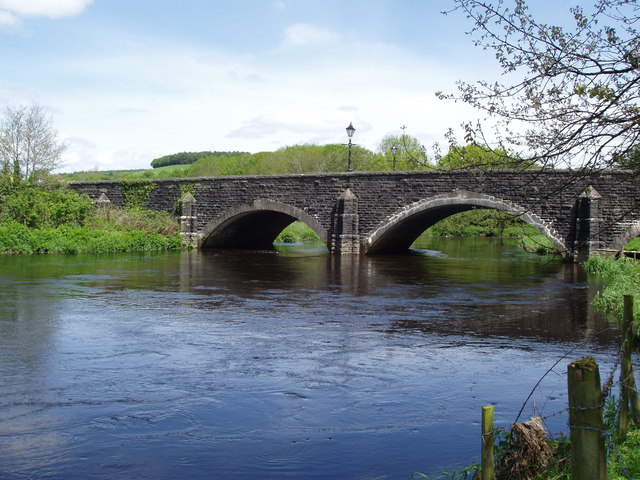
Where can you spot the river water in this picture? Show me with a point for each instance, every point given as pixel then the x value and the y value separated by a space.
pixel 289 365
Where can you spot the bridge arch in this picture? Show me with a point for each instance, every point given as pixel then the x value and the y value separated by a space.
pixel 255 225
pixel 397 232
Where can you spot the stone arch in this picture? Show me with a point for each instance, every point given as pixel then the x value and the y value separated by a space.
pixel 620 241
pixel 397 232
pixel 255 225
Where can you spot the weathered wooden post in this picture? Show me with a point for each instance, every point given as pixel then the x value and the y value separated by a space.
pixel 628 389
pixel 487 466
pixel 588 455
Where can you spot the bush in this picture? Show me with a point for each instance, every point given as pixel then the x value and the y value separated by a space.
pixel 52 219
pixel 44 206
pixel 150 221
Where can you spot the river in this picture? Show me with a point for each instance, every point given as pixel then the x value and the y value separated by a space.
pixel 294 364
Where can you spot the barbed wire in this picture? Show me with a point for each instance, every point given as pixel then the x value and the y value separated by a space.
pixel 611 413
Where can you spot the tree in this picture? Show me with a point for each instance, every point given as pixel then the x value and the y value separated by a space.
pixel 477 156
pixel 573 98
pixel 410 153
pixel 28 142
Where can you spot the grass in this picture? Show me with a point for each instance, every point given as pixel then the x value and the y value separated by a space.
pixel 623 462
pixel 620 276
pixel 633 244
pixel 150 221
pixel 19 239
pixel 628 464
pixel 297 232
pixel 537 243
pixel 108 231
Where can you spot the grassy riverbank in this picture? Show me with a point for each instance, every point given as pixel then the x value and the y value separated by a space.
pixel 620 277
pixel 51 219
pixel 527 453
pixel 18 239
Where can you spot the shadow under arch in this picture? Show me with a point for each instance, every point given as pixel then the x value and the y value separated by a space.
pixel 399 231
pixel 618 244
pixel 255 225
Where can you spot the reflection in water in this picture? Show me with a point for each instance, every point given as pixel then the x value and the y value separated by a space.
pixel 288 365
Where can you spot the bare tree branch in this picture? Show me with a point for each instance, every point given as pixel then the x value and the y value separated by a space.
pixel 28 142
pixel 575 97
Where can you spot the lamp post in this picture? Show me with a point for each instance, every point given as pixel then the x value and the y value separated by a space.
pixel 350 131
pixel 394 151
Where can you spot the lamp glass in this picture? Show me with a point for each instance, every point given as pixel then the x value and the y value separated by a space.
pixel 351 130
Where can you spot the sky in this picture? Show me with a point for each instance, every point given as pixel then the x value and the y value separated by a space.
pixel 127 81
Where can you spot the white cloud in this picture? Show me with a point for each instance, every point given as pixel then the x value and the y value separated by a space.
pixel 145 99
pixel 8 20
pixel 44 8
pixel 304 34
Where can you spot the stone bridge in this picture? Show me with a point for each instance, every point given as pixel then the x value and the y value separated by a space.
pixel 384 212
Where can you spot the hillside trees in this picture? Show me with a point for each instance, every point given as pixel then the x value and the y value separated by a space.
pixel 477 156
pixel 28 142
pixel 187 158
pixel 410 153
pixel 571 95
pixel 307 158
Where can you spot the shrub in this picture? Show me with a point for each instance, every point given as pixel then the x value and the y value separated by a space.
pixel 45 207
pixel 149 221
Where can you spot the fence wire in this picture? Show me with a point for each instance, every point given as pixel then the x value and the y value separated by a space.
pixel 610 412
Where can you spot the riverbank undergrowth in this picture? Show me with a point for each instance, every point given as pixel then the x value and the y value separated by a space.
pixel 49 218
pixel 620 277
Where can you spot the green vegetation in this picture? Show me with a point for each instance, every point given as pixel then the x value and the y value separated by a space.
pixel 545 458
pixel 309 158
pixel 136 193
pixel 492 223
pixel 287 160
pixel 48 218
pixel 46 206
pixel 19 239
pixel 629 452
pixel 535 242
pixel 480 222
pixel 477 156
pixel 187 158
pixel 621 276
pixel 633 244
pixel 297 232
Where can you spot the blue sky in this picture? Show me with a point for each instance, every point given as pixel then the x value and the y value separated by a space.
pixel 127 81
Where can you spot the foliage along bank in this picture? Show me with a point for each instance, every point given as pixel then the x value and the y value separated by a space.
pixel 620 276
pixel 49 218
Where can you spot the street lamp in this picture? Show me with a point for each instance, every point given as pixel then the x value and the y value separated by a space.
pixel 394 150
pixel 350 131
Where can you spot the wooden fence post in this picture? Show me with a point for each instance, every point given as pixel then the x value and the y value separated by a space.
pixel 487 471
pixel 627 378
pixel 588 455
pixel 622 424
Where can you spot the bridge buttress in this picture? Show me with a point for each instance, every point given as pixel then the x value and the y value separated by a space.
pixel 188 226
pixel 345 225
pixel 588 223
